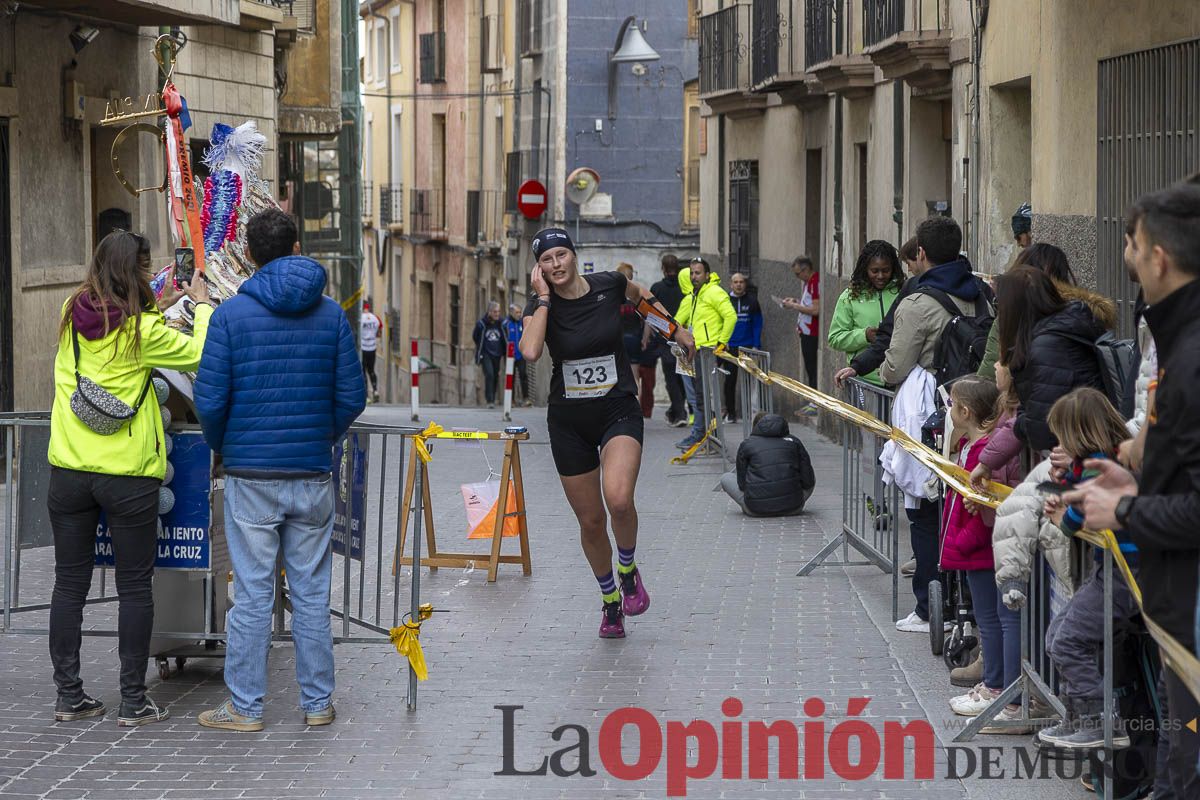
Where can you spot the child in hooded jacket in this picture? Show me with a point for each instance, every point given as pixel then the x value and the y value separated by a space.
pixel 1087 427
pixel 975 408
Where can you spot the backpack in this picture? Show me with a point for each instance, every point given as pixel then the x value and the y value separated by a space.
pixel 1118 364
pixel 963 342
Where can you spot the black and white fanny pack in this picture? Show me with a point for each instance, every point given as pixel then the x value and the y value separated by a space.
pixel 96 407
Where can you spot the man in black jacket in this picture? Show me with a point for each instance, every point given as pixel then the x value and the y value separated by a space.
pixel 1162 509
pixel 670 295
pixel 774 475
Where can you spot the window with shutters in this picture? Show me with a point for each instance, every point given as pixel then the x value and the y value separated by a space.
pixel 691 155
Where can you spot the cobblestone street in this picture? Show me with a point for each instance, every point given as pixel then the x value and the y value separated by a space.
pixel 729 619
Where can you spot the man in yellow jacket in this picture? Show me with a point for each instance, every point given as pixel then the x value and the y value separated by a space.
pixel 708 314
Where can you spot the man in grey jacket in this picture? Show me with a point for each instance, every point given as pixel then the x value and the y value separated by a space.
pixel 919 321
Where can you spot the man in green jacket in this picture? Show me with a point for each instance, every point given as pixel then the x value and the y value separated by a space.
pixel 708 314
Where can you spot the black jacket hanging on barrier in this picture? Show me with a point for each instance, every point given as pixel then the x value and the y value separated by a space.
pixel 773 469
pixel 1164 516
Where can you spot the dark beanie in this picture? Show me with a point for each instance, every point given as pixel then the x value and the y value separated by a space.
pixel 1022 221
pixel 548 238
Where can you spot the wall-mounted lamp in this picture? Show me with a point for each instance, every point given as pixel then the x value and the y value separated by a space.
pixel 631 48
pixel 82 36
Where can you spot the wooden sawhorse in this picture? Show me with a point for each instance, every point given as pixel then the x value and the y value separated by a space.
pixel 510 472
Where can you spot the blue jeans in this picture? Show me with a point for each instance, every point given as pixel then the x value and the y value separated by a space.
pixel 999 630
pixel 693 388
pixel 264 518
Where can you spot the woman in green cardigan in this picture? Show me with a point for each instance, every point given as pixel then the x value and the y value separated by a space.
pixel 862 306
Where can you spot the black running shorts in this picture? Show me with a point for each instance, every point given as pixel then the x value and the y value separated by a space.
pixel 579 431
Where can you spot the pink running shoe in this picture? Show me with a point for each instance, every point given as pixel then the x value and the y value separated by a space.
pixel 612 624
pixel 637 599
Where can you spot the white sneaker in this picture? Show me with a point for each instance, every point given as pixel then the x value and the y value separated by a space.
pixel 974 702
pixel 1009 713
pixel 913 624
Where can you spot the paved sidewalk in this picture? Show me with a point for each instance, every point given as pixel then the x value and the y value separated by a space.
pixel 729 619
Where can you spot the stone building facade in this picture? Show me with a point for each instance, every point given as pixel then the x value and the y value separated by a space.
pixel 828 123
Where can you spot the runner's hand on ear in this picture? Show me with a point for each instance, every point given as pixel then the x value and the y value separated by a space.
pixel 538 281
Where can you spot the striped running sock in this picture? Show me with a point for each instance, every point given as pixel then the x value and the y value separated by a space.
pixel 625 557
pixel 608 587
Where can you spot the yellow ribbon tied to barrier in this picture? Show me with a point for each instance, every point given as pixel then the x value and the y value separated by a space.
pixel 407 640
pixel 431 432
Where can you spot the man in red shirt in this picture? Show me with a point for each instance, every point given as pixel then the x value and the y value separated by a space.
pixel 808 322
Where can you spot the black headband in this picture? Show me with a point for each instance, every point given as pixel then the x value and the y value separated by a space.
pixel 549 238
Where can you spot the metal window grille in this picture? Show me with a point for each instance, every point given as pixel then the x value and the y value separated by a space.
pixel 1148 137
pixel 432 67
pixel 743 216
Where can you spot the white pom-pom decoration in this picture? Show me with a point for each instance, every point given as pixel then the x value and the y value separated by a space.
pixel 166 501
pixel 161 390
pixel 170 444
pixel 166 415
pixel 170 473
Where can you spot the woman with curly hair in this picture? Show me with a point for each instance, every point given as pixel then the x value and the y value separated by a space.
pixel 860 308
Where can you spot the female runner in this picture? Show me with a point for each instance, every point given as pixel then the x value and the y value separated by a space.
pixel 594 418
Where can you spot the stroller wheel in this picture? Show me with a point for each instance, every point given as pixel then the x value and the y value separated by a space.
pixel 937 629
pixel 959 650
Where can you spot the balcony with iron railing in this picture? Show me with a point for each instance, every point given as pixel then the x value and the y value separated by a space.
pixel 909 40
pixel 485 218
pixel 391 206
pixel 777 52
pixel 427 213
pixel 368 193
pixel 725 51
pixel 826 58
pixel 819 36
pixel 432 61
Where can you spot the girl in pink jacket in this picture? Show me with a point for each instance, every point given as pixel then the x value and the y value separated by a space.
pixel 975 407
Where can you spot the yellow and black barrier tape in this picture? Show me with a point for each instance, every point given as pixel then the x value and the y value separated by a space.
pixel 1175 656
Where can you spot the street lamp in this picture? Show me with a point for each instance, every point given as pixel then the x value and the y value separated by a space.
pixel 631 48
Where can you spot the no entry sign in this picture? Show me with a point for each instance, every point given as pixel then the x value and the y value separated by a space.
pixel 531 199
